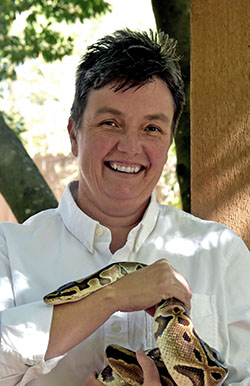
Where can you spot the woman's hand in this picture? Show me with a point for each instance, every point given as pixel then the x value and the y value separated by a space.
pixel 148 286
pixel 150 373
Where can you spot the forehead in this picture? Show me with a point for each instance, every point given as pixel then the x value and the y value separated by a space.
pixel 152 97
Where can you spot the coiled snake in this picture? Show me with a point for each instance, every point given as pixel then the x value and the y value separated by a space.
pixel 182 357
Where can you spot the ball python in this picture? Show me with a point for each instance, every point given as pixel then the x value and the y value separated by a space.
pixel 182 357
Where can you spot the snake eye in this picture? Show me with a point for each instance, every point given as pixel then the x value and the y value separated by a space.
pixel 216 376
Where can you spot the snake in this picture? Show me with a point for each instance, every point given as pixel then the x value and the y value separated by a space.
pixel 181 356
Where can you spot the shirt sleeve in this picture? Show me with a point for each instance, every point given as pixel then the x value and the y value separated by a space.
pixel 237 276
pixel 24 332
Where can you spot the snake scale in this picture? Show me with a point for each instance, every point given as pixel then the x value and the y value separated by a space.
pixel 182 357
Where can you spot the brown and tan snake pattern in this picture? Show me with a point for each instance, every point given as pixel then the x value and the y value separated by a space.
pixel 182 357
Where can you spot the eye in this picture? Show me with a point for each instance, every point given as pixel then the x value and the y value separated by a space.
pixel 153 129
pixel 109 123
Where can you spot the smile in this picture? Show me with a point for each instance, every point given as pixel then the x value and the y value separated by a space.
pixel 124 169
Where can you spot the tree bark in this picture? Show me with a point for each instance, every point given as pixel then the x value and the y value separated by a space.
pixel 21 183
pixel 173 17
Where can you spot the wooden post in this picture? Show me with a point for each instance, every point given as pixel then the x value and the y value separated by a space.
pixel 220 113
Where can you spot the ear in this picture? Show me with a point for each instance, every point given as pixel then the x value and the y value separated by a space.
pixel 73 137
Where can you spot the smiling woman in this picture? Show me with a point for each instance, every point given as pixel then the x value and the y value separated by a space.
pixel 122 147
pixel 124 112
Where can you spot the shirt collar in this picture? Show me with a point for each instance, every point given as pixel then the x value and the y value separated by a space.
pixel 147 223
pixel 83 227
pixel 78 223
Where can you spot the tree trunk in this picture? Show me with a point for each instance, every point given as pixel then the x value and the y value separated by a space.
pixel 173 17
pixel 21 183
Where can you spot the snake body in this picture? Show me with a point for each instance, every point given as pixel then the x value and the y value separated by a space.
pixel 182 357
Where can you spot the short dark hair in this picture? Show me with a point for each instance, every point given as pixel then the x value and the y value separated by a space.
pixel 130 59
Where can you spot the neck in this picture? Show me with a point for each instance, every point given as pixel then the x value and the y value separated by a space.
pixel 120 217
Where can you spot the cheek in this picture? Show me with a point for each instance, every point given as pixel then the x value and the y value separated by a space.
pixel 158 156
pixel 93 150
pixel 101 147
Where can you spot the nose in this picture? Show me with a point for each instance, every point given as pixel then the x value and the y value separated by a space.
pixel 130 143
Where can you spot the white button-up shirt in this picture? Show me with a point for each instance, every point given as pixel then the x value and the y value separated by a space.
pixel 64 244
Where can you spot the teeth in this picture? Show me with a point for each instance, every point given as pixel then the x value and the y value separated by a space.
pixel 125 169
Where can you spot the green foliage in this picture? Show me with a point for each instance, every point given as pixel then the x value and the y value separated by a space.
pixel 168 188
pixel 39 36
pixel 15 122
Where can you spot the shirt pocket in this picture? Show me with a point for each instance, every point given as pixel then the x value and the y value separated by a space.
pixel 204 317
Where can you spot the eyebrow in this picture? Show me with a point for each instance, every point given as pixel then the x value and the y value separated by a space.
pixel 107 109
pixel 158 116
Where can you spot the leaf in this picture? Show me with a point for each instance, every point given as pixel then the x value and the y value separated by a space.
pixel 40 36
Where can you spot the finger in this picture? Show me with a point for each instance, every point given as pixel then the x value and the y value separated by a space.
pixel 175 284
pixel 150 373
pixel 187 294
pixel 92 381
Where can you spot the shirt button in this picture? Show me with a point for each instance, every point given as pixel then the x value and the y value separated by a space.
pixel 88 245
pixel 99 231
pixel 116 327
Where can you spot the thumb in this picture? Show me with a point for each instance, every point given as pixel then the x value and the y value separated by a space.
pixel 91 380
pixel 150 373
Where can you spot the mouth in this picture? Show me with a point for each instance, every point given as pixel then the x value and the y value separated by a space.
pixel 124 168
